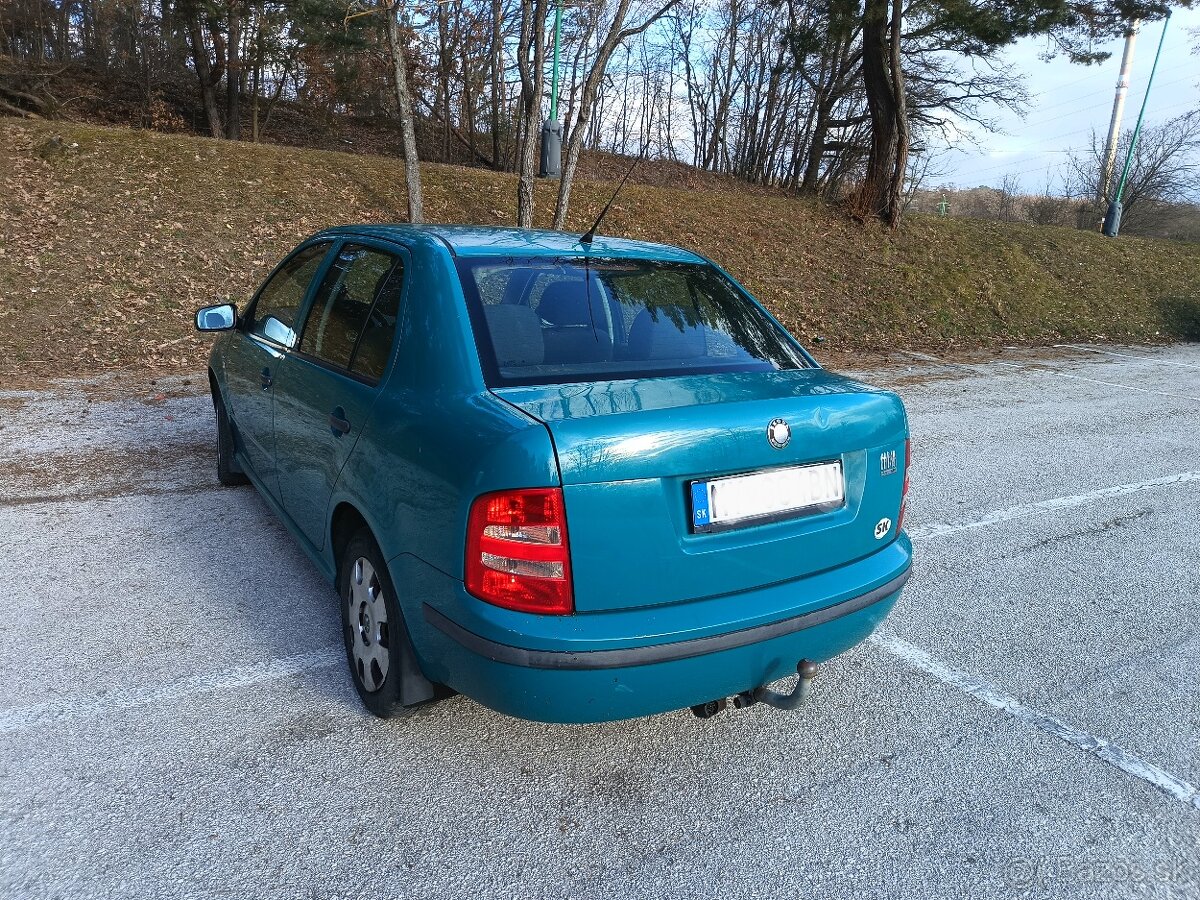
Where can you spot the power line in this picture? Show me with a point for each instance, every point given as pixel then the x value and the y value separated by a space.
pixel 1034 150
pixel 1094 106
pixel 1080 80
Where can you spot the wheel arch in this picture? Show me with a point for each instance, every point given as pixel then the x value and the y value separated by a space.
pixel 345 520
pixel 218 384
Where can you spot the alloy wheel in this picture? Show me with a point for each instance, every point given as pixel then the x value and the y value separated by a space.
pixel 368 624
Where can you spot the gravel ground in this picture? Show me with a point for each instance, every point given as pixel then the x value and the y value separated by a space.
pixel 175 719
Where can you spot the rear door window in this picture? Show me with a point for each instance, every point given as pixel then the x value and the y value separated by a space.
pixel 379 332
pixel 352 322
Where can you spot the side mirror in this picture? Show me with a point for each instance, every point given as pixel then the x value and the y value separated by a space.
pixel 216 318
pixel 274 330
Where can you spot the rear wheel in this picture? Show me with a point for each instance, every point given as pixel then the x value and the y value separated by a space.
pixel 378 647
pixel 228 471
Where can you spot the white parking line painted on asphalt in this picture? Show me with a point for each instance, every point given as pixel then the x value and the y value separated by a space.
pixel 1149 359
pixel 1128 387
pixel 72 708
pixel 87 706
pixel 918 659
pixel 1031 509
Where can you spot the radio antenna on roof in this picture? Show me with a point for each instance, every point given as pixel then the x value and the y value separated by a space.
pixel 591 232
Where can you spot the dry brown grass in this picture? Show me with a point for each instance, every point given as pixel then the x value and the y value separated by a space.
pixel 110 240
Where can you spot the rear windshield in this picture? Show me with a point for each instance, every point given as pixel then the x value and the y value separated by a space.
pixel 541 321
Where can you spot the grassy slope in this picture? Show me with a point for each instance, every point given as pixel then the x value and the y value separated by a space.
pixel 106 249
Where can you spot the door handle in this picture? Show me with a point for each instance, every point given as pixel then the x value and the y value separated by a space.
pixel 338 423
pixel 266 378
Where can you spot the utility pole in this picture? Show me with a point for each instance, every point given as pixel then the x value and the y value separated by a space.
pixel 1118 112
pixel 552 130
pixel 1112 220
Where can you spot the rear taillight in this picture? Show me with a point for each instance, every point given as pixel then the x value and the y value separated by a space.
pixel 517 552
pixel 904 490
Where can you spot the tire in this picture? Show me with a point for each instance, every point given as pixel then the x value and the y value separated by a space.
pixel 378 648
pixel 228 471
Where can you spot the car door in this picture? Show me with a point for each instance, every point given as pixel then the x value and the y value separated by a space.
pixel 328 385
pixel 267 330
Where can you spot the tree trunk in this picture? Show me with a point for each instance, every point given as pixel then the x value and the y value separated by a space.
pixel 444 73
pixel 879 195
pixel 580 57
pixel 532 69
pixel 725 98
pixel 204 72
pixel 497 68
pixel 816 153
pixel 279 86
pixel 567 176
pixel 469 99
pixel 256 70
pixel 233 74
pixel 896 202
pixel 219 51
pixel 587 98
pixel 404 104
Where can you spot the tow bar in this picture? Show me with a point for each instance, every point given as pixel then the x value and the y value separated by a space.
pixel 806 669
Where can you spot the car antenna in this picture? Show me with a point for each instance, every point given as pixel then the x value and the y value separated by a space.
pixel 591 232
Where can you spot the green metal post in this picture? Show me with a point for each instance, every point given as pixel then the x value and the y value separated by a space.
pixel 554 76
pixel 552 131
pixel 1112 220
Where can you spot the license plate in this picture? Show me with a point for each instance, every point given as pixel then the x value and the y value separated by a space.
pixel 766 496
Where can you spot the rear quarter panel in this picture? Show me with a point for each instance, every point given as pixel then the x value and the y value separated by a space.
pixel 436 438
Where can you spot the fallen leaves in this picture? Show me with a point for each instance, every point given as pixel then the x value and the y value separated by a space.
pixel 106 251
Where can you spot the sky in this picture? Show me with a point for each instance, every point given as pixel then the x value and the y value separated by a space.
pixel 1069 101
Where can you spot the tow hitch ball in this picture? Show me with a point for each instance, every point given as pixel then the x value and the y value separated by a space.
pixel 806 669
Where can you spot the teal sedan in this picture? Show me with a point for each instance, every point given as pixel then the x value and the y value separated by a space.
pixel 574 480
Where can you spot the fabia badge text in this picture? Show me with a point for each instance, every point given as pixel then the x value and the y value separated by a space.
pixel 887 462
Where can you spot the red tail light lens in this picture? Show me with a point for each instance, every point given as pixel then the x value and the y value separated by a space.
pixel 517 551
pixel 904 490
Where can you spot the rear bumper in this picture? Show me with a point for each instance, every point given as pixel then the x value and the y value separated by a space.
pixel 620 658
pixel 585 674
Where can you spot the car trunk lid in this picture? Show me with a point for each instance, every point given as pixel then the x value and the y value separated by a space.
pixel 631 453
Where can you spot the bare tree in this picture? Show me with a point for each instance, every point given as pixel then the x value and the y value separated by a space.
pixel 404 105
pixel 615 35
pixel 531 64
pixel 1051 206
pixel 1164 169
pixel 817 96
pixel 496 67
pixel 883 79
pixel 966 30
pixel 1008 197
pixel 207 73
pixel 233 71
pixel 923 166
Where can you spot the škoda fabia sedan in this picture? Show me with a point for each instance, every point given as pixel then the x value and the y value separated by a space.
pixel 574 479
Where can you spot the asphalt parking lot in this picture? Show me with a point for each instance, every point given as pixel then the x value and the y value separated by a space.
pixel 175 719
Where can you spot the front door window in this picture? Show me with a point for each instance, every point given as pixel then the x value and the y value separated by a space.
pixel 273 315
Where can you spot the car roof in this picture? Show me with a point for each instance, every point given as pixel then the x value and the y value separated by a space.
pixel 479 240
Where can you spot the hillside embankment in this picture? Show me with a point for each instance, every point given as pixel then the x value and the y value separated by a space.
pixel 110 238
